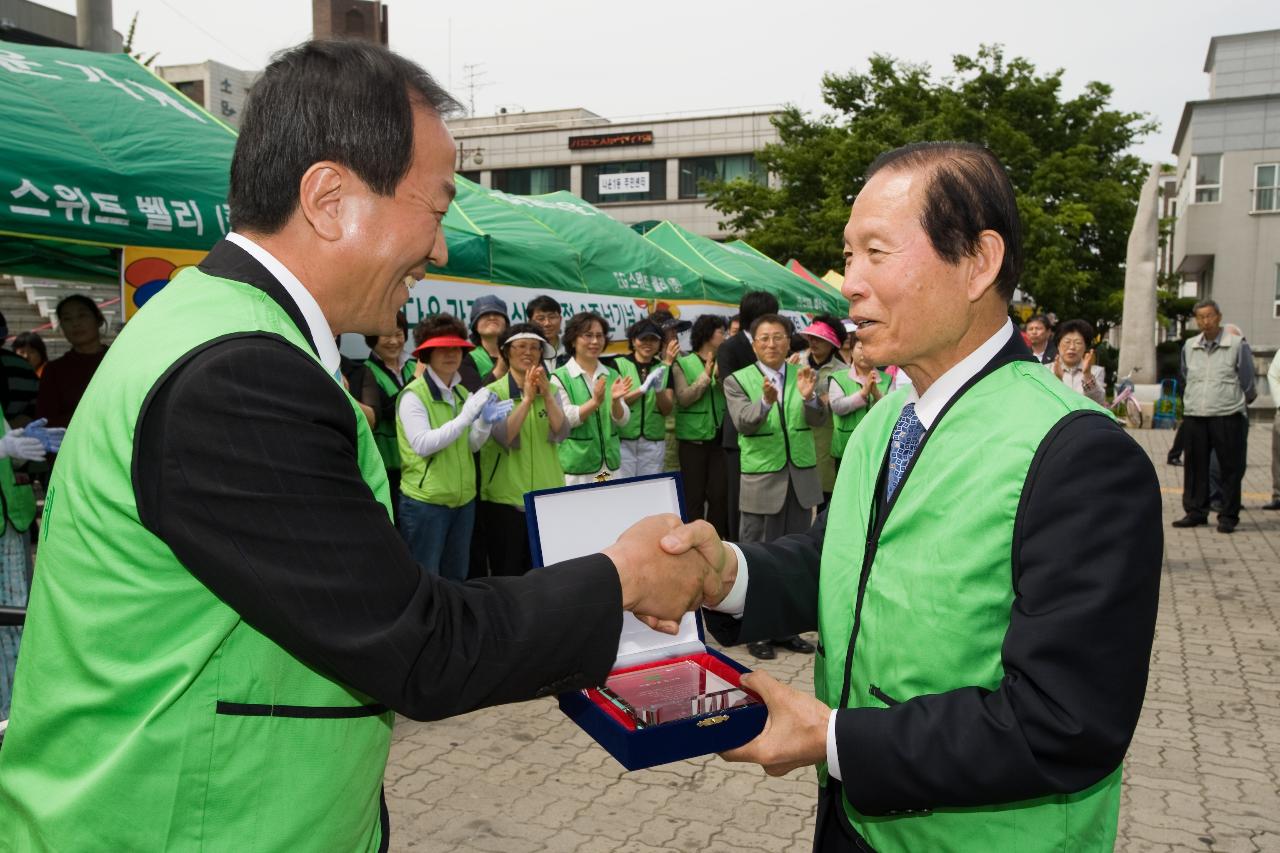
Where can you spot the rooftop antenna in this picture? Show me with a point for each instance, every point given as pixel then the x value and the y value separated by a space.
pixel 472 75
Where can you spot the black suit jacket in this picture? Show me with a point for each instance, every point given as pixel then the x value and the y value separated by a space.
pixel 1086 560
pixel 245 466
pixel 733 355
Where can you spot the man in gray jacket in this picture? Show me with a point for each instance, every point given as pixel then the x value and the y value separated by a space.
pixel 1218 367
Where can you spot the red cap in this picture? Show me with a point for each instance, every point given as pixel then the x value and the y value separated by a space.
pixel 444 341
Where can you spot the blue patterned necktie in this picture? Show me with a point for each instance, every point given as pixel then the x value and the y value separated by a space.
pixel 903 444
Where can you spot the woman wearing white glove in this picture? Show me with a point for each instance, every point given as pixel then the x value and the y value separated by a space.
pixel 438 427
pixel 15 553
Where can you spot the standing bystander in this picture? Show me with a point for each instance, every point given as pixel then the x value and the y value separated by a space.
pixel 1273 381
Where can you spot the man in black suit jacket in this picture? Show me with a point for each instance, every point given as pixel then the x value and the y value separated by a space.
pixel 932 253
pixel 245 470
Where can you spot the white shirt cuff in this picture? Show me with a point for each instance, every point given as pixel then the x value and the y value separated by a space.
pixel 735 602
pixel 833 757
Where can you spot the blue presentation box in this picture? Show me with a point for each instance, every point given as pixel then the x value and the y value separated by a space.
pixel 578 520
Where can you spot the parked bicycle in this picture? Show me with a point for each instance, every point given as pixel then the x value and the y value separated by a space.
pixel 1124 406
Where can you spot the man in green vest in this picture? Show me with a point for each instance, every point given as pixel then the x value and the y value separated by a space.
pixel 224 620
pixel 986 578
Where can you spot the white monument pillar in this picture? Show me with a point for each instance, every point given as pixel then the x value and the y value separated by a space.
pixel 1138 324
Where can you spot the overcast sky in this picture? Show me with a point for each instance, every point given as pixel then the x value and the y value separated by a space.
pixel 659 56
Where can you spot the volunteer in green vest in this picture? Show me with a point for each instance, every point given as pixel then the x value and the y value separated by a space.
pixel 17 511
pixel 387 369
pixel 489 319
pixel 223 621
pixel 826 334
pixel 592 396
pixel 643 439
pixel 439 425
pixel 851 394
pixel 700 424
pixel 986 588
pixel 774 405
pixel 522 455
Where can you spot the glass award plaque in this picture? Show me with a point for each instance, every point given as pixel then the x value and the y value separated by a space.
pixel 675 691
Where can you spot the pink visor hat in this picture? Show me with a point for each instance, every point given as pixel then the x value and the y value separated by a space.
pixel 823 332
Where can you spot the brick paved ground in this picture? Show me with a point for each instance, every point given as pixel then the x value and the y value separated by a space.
pixel 1203 772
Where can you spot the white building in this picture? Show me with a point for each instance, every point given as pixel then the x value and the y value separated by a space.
pixel 638 170
pixel 218 88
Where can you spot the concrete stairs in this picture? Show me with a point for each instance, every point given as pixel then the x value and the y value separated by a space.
pixel 28 305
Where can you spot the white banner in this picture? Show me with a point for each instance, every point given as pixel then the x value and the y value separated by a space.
pixel 624 182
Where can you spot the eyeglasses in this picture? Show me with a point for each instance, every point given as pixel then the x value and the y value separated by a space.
pixel 773 339
pixel 591 336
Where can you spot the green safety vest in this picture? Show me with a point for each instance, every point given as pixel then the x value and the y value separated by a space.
pixel 507 473
pixel 482 359
pixel 844 425
pixel 147 714
pixel 936 597
pixel 19 501
pixel 769 448
pixel 384 432
pixel 593 444
pixel 701 420
pixel 646 421
pixel 446 477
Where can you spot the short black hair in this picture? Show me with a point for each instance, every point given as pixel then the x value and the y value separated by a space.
pixel 836 324
pixel 772 318
pixel 704 329
pixel 578 325
pixel 1083 327
pixel 438 326
pixel 402 323
pixel 346 101
pixel 516 329
pixel 1042 319
pixel 81 299
pixel 543 303
pixel 968 192
pixel 31 340
pixel 754 304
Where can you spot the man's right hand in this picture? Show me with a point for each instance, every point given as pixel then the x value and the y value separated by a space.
pixel 770 393
pixel 668 569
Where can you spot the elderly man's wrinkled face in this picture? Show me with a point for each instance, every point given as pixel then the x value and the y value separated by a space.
pixel 771 343
pixel 1209 321
pixel 910 305
pixel 1037 334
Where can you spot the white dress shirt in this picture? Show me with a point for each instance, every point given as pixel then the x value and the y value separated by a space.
pixel 426 440
pixel 928 406
pixel 317 323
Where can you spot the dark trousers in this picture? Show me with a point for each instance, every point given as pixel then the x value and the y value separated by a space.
pixel 393 481
pixel 1224 436
pixel 706 483
pixel 505 538
pixel 733 489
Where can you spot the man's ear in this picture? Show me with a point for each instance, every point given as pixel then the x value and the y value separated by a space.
pixel 320 198
pixel 984 264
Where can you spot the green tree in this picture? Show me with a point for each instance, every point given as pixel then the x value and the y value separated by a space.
pixel 128 44
pixel 1077 186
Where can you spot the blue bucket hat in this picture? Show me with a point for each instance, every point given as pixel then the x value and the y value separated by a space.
pixel 488 304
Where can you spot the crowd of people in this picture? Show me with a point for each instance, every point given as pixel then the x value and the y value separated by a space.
pixel 35 393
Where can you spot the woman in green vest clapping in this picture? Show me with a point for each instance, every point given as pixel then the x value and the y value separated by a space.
pixel 523 455
pixel 583 385
pixel 438 426
pixel 387 369
pixel 699 423
pixel 851 394
pixel 644 437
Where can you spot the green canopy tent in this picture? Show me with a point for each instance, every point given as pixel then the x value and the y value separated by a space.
pixel 742 263
pixel 559 244
pixel 101 153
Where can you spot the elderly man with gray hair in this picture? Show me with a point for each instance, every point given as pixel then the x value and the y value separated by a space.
pixel 1218 370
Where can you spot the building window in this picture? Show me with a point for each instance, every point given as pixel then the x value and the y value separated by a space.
pixel 1208 171
pixel 1266 187
pixel 535 181
pixel 635 180
pixel 695 170
pixel 473 176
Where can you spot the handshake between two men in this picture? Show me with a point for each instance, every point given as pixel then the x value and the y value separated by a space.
pixel 668 569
